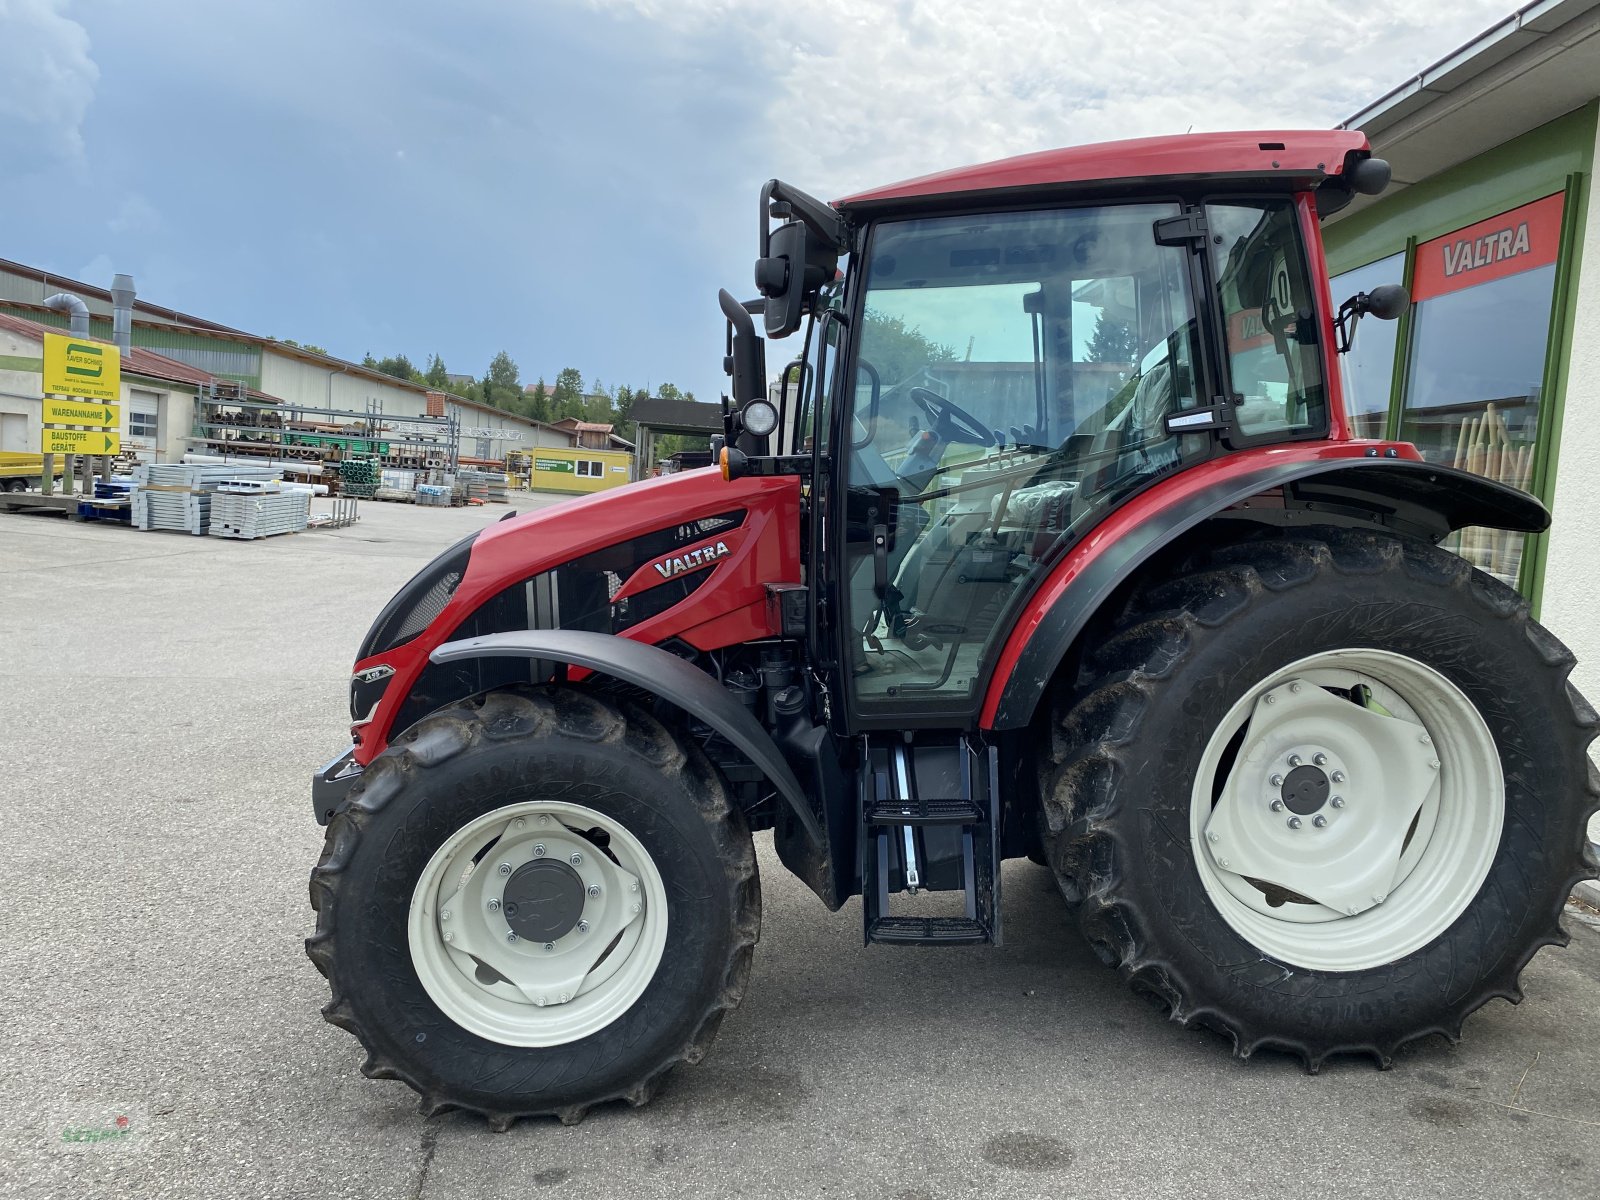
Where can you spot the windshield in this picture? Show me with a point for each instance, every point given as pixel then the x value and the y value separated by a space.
pixel 1014 375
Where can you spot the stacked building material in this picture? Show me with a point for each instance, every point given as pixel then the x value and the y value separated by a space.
pixel 358 477
pixel 247 515
pixel 178 495
pixel 434 495
pixel 483 485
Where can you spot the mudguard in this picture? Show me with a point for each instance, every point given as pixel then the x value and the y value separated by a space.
pixel 1403 493
pixel 660 673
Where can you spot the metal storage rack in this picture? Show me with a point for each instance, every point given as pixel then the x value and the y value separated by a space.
pixel 230 423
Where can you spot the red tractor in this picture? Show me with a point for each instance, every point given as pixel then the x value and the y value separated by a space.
pixel 1058 545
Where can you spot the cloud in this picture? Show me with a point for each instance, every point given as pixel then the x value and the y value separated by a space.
pixel 47 82
pixel 135 215
pixel 862 94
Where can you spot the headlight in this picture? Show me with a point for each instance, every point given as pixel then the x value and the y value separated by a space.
pixel 760 418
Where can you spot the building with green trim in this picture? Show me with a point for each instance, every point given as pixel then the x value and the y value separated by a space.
pixel 1493 223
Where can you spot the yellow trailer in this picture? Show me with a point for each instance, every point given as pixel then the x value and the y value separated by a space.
pixel 19 472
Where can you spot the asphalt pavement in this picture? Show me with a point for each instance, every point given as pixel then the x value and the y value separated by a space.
pixel 165 699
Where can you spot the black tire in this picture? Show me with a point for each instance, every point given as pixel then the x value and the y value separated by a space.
pixel 16 485
pixel 1127 735
pixel 470 759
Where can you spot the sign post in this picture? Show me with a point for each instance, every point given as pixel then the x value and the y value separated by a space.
pixel 92 371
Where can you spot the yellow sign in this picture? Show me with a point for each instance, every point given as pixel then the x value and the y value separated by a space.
pixel 79 412
pixel 79 367
pixel 79 441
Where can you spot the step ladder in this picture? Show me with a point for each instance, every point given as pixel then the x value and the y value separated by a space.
pixel 912 842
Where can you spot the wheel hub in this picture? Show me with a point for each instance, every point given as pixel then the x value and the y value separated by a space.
pixel 543 900
pixel 1305 790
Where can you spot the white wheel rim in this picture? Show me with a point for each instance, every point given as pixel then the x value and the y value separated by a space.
pixel 1418 820
pixel 526 993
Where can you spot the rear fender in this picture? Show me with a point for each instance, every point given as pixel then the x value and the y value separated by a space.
pixel 1381 485
pixel 662 674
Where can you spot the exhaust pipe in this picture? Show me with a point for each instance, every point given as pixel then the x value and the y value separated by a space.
pixel 68 303
pixel 122 312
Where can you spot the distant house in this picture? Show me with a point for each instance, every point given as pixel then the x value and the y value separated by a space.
pixel 591 434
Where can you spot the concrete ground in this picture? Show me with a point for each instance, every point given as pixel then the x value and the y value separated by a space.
pixel 165 700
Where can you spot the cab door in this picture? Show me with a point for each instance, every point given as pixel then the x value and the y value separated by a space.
pixel 1012 376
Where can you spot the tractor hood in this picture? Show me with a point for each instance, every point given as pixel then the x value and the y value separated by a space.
pixel 685 557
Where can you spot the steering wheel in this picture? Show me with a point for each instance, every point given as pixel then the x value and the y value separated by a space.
pixel 949 419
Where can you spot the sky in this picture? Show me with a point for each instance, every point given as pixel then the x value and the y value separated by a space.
pixel 572 180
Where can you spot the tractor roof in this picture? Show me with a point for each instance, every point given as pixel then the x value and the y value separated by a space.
pixel 1285 157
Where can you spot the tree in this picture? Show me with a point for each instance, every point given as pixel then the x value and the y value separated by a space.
pixel 436 376
pixel 399 366
pixel 1112 342
pixel 899 352
pixel 503 373
pixel 567 399
pixel 369 362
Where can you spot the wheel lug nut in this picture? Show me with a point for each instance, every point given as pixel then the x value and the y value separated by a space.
pixel 549 946
pixel 1337 776
pixel 576 860
pixel 1319 821
pixel 583 927
pixel 544 818
pixel 1295 688
pixel 1270 698
pixel 1294 760
pixel 518 823
pixel 565 996
pixel 511 935
pixel 445 915
pixel 1277 806
pixel 594 890
pixel 1211 837
pixel 1337 802
pixel 494 905
pixel 1276 781
pixel 1294 822
pixel 449 937
pixel 633 887
pixel 538 850
pixel 1434 764
pixel 635 910
pixel 1320 759
pixel 505 868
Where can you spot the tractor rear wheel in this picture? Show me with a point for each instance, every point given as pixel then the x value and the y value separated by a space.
pixel 535 902
pixel 1324 793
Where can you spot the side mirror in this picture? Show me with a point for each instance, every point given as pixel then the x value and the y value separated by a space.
pixel 1386 302
pixel 788 274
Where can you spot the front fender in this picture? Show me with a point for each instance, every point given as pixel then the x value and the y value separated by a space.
pixel 661 674
pixel 1400 492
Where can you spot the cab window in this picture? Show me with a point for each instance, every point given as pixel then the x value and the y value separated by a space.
pixel 1274 360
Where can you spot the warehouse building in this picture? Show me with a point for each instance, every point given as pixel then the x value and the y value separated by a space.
pixel 183 368
pixel 1493 223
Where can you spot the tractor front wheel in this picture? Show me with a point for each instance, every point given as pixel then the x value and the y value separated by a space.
pixel 535 902
pixel 1324 794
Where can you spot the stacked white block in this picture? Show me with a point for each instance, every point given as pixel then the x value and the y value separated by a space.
pixel 258 515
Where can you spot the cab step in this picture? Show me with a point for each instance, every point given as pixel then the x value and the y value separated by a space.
pixel 945 841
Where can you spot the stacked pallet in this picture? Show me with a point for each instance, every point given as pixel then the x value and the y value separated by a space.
pixel 245 514
pixel 487 486
pixel 178 496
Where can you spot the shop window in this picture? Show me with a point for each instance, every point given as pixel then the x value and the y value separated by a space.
pixel 1369 366
pixel 1481 334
